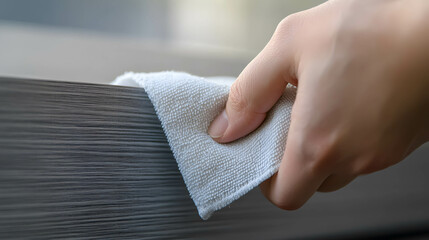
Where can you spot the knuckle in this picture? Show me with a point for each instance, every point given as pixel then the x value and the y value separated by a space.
pixel 287 28
pixel 289 22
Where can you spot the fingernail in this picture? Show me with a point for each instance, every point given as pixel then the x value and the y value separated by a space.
pixel 219 125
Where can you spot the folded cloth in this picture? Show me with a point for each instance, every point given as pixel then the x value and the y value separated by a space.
pixel 215 174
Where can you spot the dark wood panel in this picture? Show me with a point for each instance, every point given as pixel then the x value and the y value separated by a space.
pixel 91 161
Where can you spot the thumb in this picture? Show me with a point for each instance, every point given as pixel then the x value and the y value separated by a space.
pixel 256 90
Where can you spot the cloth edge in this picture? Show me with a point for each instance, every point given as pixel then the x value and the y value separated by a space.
pixel 207 212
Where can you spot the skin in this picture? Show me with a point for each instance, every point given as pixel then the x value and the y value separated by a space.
pixel 362 76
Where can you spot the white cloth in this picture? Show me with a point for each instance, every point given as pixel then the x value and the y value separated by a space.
pixel 215 174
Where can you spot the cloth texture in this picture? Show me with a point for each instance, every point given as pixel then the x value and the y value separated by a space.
pixel 215 174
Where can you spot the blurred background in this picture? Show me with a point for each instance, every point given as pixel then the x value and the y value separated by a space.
pixel 97 40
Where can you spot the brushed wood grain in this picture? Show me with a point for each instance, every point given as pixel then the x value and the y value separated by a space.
pixel 86 161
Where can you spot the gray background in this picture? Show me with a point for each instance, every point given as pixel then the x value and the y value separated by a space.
pixel 96 40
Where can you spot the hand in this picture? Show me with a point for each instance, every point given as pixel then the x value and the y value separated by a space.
pixel 362 102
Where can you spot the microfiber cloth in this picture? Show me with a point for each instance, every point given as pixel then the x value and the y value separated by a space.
pixel 215 174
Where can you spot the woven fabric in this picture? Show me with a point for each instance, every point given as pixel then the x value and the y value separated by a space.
pixel 215 174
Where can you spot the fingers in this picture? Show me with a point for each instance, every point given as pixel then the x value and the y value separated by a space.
pixel 257 88
pixel 294 184
pixel 311 162
pixel 296 181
